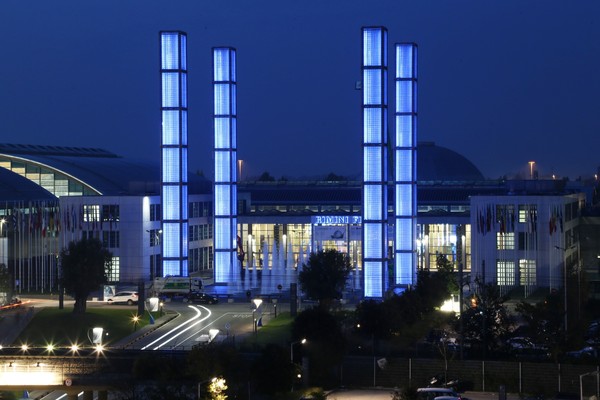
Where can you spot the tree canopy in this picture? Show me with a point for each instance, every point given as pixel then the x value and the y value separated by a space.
pixel 324 276
pixel 85 266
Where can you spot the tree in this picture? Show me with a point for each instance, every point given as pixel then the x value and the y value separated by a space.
pixel 85 265
pixel 487 320
pixel 266 177
pixel 324 277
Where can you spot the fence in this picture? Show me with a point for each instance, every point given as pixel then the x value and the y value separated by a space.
pixel 517 377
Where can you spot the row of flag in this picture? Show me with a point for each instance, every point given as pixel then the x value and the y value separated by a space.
pixel 49 219
pixel 502 219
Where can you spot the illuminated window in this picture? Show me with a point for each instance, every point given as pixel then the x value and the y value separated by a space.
pixel 527 272
pixel 505 241
pixel 115 269
pixel 91 213
pixel 505 272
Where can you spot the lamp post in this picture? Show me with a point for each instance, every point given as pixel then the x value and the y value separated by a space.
pixel 292 349
pixel 292 358
pixel 565 281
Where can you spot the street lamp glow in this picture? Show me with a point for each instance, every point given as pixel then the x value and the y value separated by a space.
pixel 302 341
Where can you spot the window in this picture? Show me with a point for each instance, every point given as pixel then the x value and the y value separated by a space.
pixel 113 275
pixel 505 241
pixel 110 239
pixel 91 213
pixel 527 241
pixel 505 272
pixel 155 212
pixel 110 213
pixel 527 272
pixel 155 237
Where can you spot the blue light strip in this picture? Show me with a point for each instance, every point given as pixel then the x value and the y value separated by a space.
pixel 225 182
pixel 174 193
pixel 406 165
pixel 374 232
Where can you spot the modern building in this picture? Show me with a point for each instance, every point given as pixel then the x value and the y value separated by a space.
pixel 52 195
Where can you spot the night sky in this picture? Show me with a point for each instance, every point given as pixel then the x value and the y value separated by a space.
pixel 501 82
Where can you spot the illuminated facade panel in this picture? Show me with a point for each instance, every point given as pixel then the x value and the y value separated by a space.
pixel 225 182
pixel 174 194
pixel 374 199
pixel 405 181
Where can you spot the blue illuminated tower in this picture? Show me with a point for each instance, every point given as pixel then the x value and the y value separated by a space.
pixel 174 193
pixel 225 185
pixel 374 202
pixel 406 164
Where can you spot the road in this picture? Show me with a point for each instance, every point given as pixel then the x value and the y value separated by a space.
pixel 194 324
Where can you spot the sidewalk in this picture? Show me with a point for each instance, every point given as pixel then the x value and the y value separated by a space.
pixel 13 321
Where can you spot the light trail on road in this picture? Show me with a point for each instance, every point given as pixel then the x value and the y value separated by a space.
pixel 211 323
pixel 179 330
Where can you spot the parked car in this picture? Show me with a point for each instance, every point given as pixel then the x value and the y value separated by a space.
pixel 586 352
pixel 201 297
pixel 124 297
pixel 431 393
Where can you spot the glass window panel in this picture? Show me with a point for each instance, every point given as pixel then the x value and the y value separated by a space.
pixel 372 86
pixel 184 239
pixel 184 196
pixel 183 51
pixel 170 267
pixel 373 126
pixel 170 126
pixel 222 166
pixel 404 268
pixel 184 165
pixel 184 90
pixel 234 132
pixel 404 165
pixel 404 200
pixel 372 202
pixel 404 97
pixel 372 164
pixel 373 279
pixel 404 130
pixel 372 46
pixel 222 133
pixel 222 233
pixel 170 54
pixel 170 165
pixel 222 200
pixel 170 89
pixel 404 234
pixel 170 202
pixel 171 240
pixel 222 99
pixel 233 99
pixel 372 240
pixel 221 61
pixel 404 60
pixel 184 127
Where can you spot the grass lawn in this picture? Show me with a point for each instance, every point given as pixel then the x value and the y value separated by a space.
pixel 63 328
pixel 277 331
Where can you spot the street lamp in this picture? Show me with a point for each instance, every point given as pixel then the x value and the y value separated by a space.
pixel 565 280
pixel 292 349
pixel 135 319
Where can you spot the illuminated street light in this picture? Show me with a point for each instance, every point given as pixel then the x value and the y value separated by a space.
pixel 136 320
pixel 292 348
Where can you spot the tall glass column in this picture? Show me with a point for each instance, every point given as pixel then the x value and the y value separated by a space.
pixel 225 182
pixel 406 164
pixel 374 193
pixel 174 149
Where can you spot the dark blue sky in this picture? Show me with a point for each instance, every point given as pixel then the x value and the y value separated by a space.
pixel 501 82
